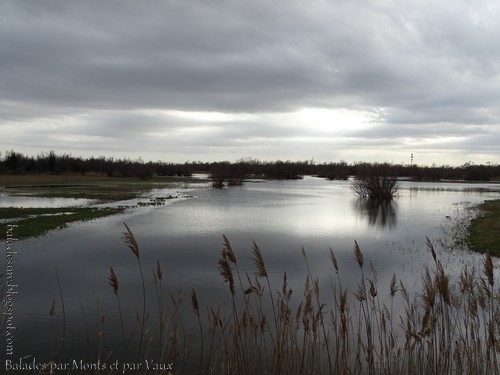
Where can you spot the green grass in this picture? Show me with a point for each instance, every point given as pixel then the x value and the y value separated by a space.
pixel 105 189
pixel 34 222
pixel 484 230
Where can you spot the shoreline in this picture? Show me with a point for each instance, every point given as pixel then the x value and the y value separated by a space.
pixel 36 221
pixel 484 230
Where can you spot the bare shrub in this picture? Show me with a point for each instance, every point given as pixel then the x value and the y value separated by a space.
pixel 376 183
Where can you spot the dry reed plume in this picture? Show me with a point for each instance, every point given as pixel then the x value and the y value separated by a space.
pixel 447 327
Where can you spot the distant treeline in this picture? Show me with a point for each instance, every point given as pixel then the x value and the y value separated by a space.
pixel 233 173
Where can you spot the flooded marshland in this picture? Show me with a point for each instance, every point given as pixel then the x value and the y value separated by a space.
pixel 68 269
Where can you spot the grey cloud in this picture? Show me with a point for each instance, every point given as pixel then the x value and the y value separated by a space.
pixel 186 59
pixel 212 53
pixel 430 69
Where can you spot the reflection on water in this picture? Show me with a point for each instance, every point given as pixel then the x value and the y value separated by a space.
pixel 39 202
pixel 378 212
pixel 186 237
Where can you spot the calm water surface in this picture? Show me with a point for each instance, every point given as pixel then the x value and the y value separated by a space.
pixel 185 236
pixel 19 202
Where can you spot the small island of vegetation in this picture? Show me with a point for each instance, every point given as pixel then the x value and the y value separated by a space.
pixel 106 179
pixel 332 330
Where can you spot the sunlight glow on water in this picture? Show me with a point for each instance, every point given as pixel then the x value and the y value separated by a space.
pixel 186 237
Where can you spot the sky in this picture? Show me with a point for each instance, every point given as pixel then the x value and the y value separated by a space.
pixel 212 80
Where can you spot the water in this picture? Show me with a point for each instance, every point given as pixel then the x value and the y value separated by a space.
pixel 38 202
pixel 185 236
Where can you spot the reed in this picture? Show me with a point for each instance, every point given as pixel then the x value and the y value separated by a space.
pixel 158 277
pixel 451 325
pixel 63 334
pixel 114 283
pixel 132 244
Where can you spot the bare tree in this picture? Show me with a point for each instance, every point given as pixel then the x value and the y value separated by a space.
pixel 376 183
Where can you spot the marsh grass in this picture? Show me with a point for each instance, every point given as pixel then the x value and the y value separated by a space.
pixel 445 328
pixel 38 221
pixel 451 325
pixel 484 229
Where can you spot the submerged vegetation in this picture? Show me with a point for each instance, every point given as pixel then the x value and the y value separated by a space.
pixel 102 189
pixel 376 184
pixel 451 325
pixel 37 221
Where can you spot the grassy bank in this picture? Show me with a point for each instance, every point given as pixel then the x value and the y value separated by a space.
pixel 484 230
pixel 105 189
pixel 36 221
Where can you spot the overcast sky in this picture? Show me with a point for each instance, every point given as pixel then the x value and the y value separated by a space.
pixel 217 80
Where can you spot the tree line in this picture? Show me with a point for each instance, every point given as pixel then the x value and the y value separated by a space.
pixel 12 162
pixel 233 173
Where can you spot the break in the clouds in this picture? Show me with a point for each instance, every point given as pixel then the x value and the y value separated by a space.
pixel 180 80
